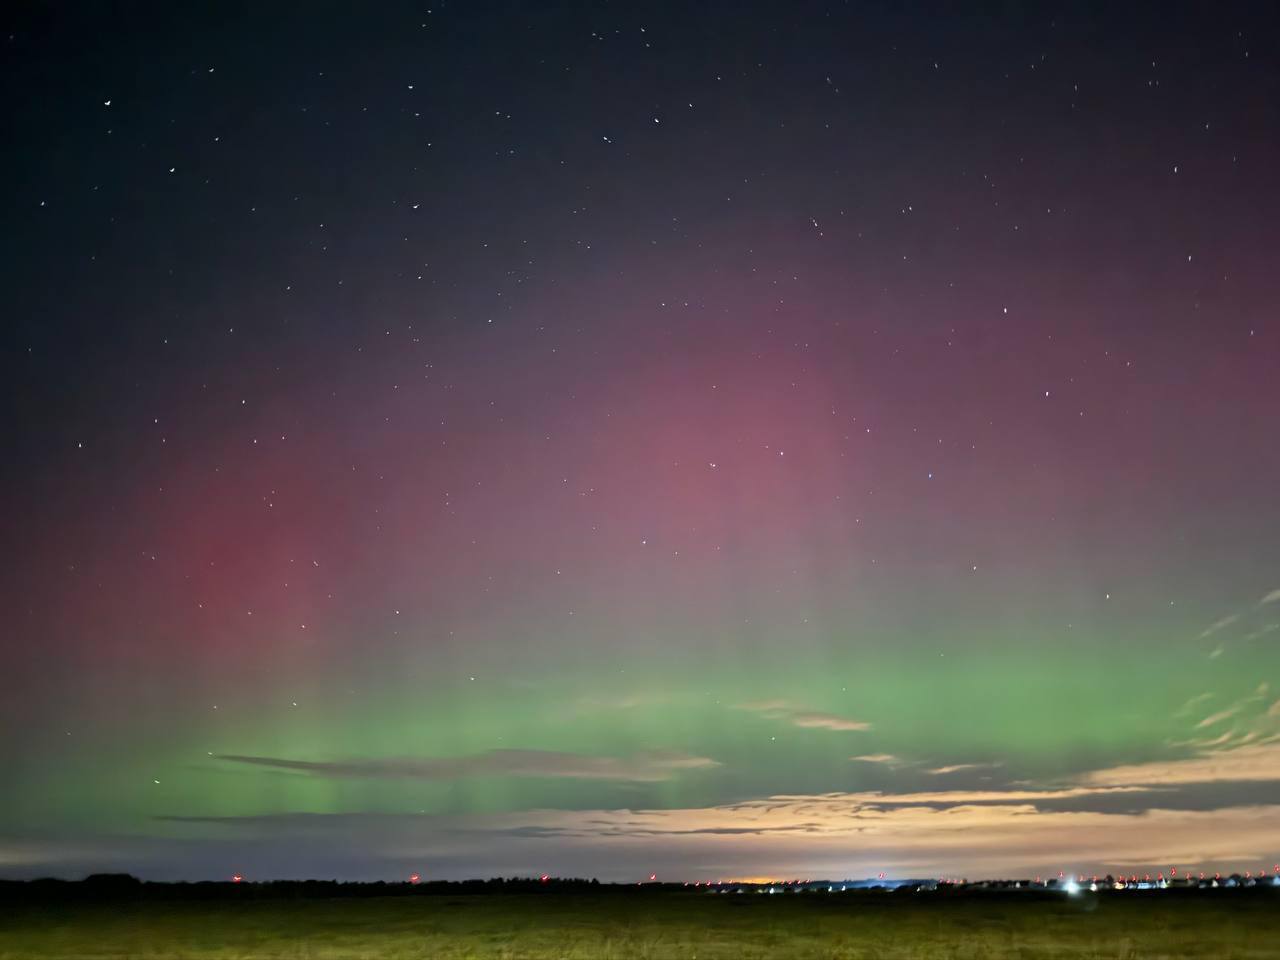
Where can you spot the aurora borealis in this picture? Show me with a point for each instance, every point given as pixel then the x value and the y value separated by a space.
pixel 604 440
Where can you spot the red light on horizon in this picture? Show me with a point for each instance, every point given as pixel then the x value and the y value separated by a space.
pixel 236 878
pixel 414 878
pixel 545 877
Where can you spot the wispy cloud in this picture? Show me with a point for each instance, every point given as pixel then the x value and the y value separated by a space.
pixel 1233 618
pixel 1222 624
pixel 1201 744
pixel 640 768
pixel 800 717
pixel 957 767
pixel 1262 631
pixel 827 721
pixel 1218 717
pixel 1243 704
pixel 893 760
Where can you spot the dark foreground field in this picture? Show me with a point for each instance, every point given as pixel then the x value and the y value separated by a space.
pixel 1215 924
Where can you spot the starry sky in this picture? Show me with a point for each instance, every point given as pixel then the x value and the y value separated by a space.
pixel 711 440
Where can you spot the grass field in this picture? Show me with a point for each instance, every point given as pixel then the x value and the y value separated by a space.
pixel 658 926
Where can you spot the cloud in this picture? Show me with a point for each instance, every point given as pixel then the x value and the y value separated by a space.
pixel 1218 717
pixel 952 798
pixel 957 767
pixel 815 813
pixel 827 721
pixel 1251 762
pixel 1229 619
pixel 801 717
pixel 1222 624
pixel 891 760
pixel 640 768
pixel 1258 696
pixel 1217 741
pixel 837 834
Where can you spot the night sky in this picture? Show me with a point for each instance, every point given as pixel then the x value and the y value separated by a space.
pixel 720 440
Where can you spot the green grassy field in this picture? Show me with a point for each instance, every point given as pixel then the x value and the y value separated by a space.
pixel 706 927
